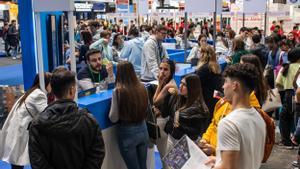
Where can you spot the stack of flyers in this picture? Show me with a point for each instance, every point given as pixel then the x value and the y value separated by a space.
pixel 186 155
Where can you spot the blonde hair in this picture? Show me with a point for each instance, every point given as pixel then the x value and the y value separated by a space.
pixel 208 56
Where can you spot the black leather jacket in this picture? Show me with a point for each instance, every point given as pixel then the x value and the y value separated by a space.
pixel 192 122
pixel 65 137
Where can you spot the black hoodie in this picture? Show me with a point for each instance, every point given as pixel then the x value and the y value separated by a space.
pixel 65 137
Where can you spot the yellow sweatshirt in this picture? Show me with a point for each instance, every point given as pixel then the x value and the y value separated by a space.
pixel 221 110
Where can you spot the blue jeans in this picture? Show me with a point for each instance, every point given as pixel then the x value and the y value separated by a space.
pixel 133 144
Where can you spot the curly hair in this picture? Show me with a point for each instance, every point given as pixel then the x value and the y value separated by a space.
pixel 246 74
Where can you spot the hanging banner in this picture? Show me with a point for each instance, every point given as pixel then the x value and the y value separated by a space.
pixel 143 7
pixel 83 7
pixel 205 6
pixel 255 6
pixel 53 5
pixel 99 7
pixel 122 6
pixel 237 6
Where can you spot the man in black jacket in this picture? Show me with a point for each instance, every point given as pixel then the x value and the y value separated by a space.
pixel 64 136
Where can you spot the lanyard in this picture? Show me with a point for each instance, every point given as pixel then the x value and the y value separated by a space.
pixel 93 78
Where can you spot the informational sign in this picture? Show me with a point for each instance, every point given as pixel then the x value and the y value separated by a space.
pixel 99 7
pixel 122 6
pixel 83 7
pixel 237 6
pixel 255 6
pixel 206 6
pixel 4 7
pixel 225 5
pixel 293 2
pixel 53 5
pixel 143 7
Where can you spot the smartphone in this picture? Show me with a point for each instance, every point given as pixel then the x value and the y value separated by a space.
pixel 218 94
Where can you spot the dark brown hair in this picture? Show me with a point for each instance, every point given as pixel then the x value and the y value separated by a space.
pixel 200 37
pixel 87 37
pixel 261 90
pixel 246 74
pixel 238 45
pixel 132 95
pixel 231 34
pixel 104 33
pixel 61 82
pixel 91 52
pixel 172 66
pixel 195 93
pixel 35 85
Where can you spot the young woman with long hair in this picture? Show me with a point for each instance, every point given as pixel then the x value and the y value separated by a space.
pixel 261 90
pixel 209 73
pixel 190 113
pixel 162 101
pixel 238 48
pixel 117 46
pixel 128 107
pixel 202 41
pixel 14 135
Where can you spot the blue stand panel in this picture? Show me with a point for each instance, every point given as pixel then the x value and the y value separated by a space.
pixel 27 39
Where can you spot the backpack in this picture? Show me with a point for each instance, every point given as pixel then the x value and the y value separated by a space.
pixel 270 134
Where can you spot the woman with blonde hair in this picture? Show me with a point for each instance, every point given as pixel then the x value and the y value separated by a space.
pixel 209 73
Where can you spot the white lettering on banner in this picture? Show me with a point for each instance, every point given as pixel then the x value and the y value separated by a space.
pixel 121 15
pixel 83 7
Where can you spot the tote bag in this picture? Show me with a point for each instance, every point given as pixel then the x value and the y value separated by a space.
pixel 273 101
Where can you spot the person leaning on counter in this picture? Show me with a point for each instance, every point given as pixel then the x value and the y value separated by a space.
pixel 96 73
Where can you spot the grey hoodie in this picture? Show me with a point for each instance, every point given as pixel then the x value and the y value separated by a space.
pixel 152 55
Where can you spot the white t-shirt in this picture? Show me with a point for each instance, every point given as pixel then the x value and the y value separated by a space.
pixel 243 130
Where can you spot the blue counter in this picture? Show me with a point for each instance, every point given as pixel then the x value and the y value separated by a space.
pixel 99 105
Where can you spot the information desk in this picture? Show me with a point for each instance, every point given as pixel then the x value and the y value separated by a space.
pixel 99 105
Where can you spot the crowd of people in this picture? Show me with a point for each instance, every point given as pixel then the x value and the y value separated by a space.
pixel 10 35
pixel 230 128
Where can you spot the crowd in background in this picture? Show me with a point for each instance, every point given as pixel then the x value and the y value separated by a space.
pixel 231 129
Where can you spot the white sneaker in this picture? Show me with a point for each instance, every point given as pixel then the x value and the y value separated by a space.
pixel 14 58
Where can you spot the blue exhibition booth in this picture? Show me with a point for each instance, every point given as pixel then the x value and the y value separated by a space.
pixel 99 103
